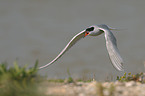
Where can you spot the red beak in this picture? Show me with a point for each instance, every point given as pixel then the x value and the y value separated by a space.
pixel 86 33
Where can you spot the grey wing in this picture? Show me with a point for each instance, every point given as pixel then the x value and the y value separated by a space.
pixel 67 47
pixel 113 51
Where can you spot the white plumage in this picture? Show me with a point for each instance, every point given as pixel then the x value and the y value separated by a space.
pixel 96 30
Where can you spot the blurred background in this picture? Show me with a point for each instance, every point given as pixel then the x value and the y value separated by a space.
pixel 40 29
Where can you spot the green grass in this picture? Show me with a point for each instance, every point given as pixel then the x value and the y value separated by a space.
pixel 19 81
pixel 131 77
pixel 56 80
pixel 24 81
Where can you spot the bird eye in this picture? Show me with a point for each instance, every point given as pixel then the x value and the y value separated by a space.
pixel 90 29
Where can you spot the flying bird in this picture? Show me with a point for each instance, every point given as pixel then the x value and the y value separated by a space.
pixel 96 30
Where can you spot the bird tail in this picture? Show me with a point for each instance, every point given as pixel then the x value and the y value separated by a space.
pixel 118 29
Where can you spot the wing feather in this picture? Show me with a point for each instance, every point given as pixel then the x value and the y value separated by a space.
pixel 113 51
pixel 76 38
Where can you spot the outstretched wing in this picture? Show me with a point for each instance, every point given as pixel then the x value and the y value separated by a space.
pixel 113 51
pixel 67 47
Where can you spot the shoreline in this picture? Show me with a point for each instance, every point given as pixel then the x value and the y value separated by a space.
pixel 94 88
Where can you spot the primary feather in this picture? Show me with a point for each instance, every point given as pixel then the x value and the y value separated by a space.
pixel 113 51
pixel 96 30
pixel 76 38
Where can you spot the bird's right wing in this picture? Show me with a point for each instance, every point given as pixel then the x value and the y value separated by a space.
pixel 113 51
pixel 76 38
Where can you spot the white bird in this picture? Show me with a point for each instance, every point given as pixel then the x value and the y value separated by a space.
pixel 96 30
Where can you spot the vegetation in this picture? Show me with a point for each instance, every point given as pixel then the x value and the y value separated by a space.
pixel 130 77
pixel 100 89
pixel 19 81
pixel 23 81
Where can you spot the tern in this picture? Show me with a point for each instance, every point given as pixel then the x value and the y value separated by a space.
pixel 96 30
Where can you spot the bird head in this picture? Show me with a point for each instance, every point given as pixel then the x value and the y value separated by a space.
pixel 96 30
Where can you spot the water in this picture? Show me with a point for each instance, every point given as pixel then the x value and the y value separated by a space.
pixel 35 29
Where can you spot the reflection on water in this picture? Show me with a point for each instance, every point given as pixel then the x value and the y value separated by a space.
pixel 31 30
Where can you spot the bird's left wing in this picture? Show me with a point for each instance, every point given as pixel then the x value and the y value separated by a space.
pixel 113 51
pixel 76 38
